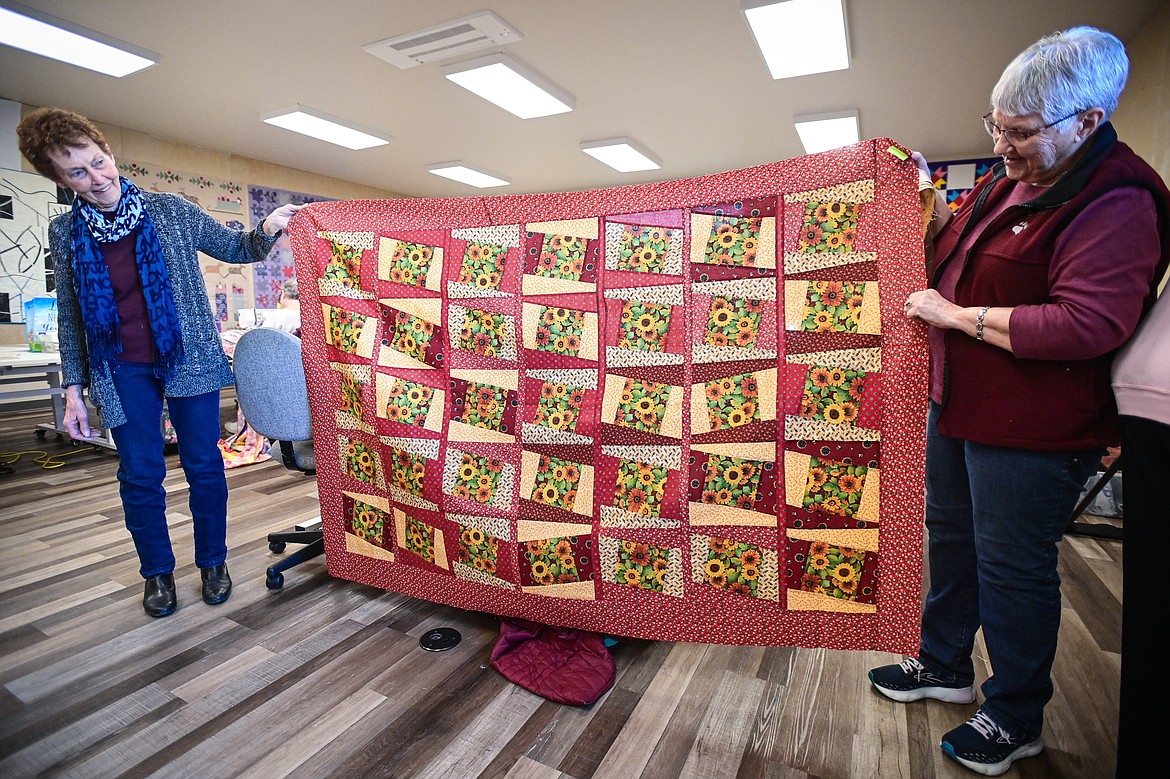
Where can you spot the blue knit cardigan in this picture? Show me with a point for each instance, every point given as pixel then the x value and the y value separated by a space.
pixel 183 229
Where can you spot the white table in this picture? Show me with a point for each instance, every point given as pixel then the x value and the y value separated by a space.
pixel 19 367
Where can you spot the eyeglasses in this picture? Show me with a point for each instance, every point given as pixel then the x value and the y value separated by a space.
pixel 1016 137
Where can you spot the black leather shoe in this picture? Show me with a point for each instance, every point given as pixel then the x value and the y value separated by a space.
pixel 217 585
pixel 159 598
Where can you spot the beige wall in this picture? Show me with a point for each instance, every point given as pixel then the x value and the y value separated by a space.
pixel 133 145
pixel 1143 115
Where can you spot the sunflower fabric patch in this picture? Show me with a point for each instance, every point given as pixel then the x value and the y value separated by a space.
pixel 479 479
pixel 831 306
pixel 342 274
pixel 369 526
pixel 562 258
pixel 562 406
pixel 410 263
pixel 482 332
pixel 642 566
pixel 557 331
pixel 408 403
pixel 412 335
pixel 556 485
pixel 349 332
pixel 478 558
pixel 633 405
pixel 734 567
pixel 352 381
pixel 683 411
pixel 558 566
pixel 644 248
pixel 733 484
pixel 484 406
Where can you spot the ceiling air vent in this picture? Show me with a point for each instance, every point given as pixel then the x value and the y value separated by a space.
pixel 444 41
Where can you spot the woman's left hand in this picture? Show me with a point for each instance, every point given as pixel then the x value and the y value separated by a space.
pixel 278 219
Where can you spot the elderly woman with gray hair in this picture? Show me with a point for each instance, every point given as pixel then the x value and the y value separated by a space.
pixel 287 315
pixel 1035 282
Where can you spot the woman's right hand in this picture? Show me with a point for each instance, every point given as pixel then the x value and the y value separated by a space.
pixel 77 415
pixel 924 176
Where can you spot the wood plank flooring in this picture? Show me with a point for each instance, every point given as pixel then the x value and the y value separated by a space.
pixel 325 678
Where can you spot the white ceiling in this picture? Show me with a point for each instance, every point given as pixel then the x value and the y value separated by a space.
pixel 682 77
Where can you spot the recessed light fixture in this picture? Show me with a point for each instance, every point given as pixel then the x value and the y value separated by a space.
pixel 821 132
pixel 512 86
pixel 465 174
pixel 39 33
pixel 621 154
pixel 799 37
pixel 316 124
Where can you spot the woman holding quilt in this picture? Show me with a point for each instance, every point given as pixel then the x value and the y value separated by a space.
pixel 1038 278
pixel 136 327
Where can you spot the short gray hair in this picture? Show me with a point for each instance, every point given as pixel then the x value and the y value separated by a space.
pixel 1069 71
pixel 289 289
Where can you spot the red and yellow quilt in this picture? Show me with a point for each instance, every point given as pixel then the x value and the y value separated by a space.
pixel 685 411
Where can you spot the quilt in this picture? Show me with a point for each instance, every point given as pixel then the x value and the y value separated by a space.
pixel 688 411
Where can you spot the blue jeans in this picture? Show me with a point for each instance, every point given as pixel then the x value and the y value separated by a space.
pixel 994 517
pixel 142 468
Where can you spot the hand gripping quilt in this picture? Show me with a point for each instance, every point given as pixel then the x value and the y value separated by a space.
pixel 685 411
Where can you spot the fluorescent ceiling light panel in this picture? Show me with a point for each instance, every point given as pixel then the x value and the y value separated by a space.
pixel 799 37
pixel 315 124
pixel 512 86
pixel 465 174
pixel 621 154
pixel 39 33
pixel 821 132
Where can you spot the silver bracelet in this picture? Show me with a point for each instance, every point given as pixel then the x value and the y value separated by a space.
pixel 979 323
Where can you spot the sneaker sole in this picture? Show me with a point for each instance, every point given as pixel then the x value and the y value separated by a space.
pixel 995 769
pixel 944 694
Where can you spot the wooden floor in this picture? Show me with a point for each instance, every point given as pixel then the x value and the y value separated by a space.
pixel 326 677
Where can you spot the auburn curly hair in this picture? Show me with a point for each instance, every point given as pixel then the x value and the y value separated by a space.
pixel 48 129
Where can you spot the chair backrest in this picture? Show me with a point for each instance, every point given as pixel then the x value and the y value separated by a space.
pixel 271 389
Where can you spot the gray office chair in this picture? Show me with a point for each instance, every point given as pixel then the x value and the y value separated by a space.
pixel 273 396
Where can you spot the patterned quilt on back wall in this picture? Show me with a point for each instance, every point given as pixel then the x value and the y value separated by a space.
pixel 685 411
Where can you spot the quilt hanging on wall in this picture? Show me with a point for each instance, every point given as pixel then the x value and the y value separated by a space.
pixel 685 411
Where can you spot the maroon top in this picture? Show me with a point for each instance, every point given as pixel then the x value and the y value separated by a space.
pixel 133 322
pixel 949 278
pixel 1077 264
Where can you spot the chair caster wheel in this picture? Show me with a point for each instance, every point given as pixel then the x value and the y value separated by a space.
pixel 274 580
pixel 276 546
pixel 40 434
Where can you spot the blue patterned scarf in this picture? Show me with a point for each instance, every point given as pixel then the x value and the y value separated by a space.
pixel 95 292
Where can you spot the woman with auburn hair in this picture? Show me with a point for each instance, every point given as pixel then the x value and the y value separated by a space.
pixel 136 328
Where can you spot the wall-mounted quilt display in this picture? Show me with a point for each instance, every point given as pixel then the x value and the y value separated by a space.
pixel 270 273
pixel 956 178
pixel 687 411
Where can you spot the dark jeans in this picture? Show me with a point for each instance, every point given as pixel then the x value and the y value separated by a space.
pixel 142 468
pixel 1145 445
pixel 994 517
